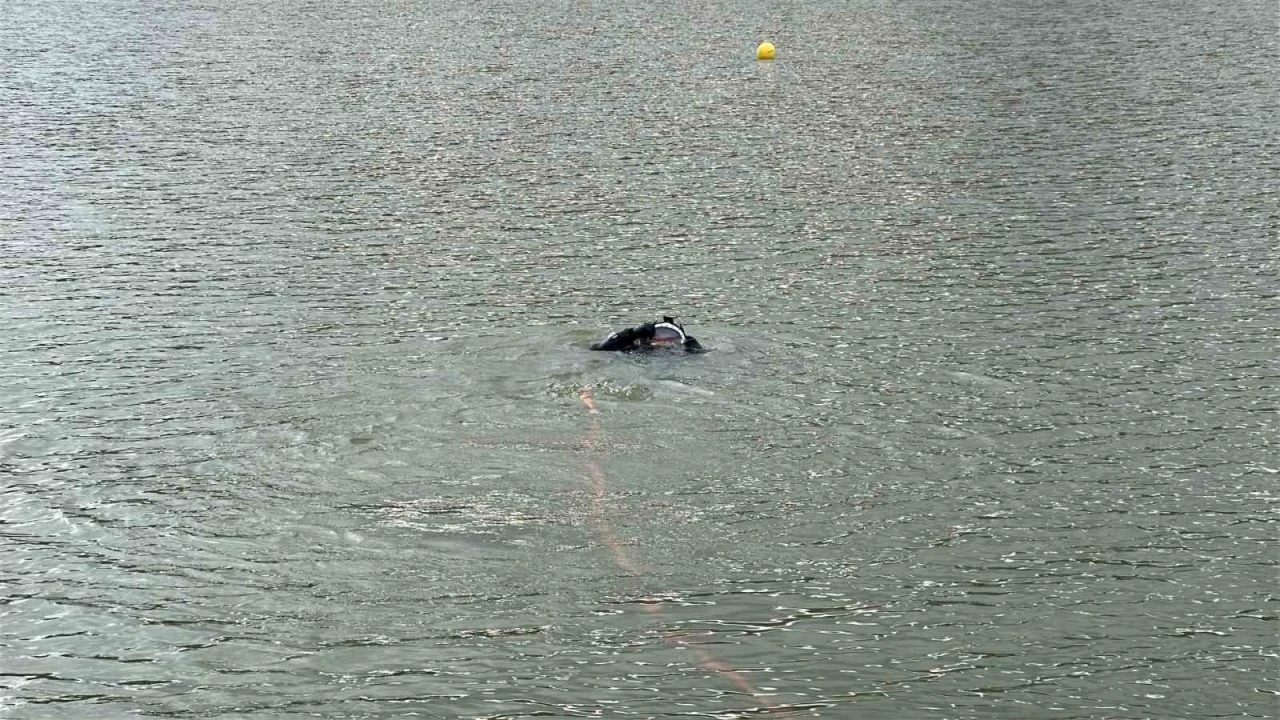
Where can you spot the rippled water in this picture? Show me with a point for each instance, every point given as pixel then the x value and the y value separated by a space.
pixel 295 300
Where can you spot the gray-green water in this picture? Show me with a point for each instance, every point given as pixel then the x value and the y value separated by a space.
pixel 293 312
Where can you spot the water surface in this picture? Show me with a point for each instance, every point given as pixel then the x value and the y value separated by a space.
pixel 294 307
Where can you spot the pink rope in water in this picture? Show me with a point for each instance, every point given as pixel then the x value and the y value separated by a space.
pixel 705 659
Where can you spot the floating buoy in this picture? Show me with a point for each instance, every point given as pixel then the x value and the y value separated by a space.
pixel 766 51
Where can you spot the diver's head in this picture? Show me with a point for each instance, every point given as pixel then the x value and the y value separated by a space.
pixel 668 333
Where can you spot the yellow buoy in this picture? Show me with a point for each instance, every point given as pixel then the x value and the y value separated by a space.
pixel 765 51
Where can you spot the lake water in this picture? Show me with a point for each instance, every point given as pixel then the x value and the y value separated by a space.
pixel 294 390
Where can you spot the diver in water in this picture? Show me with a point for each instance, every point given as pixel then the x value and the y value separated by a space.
pixel 668 334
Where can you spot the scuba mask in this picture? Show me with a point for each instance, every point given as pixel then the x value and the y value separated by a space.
pixel 668 332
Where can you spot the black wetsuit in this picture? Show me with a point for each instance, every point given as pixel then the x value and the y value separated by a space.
pixel 640 339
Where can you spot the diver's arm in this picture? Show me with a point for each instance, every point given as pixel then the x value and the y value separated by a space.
pixel 624 339
pixel 692 345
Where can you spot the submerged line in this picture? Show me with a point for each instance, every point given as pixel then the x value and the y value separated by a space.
pixel 705 659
